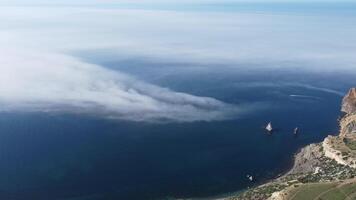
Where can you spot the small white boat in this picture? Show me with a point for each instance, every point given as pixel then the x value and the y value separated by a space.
pixel 269 127
pixel 296 130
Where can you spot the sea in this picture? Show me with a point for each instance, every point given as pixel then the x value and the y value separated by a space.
pixel 76 157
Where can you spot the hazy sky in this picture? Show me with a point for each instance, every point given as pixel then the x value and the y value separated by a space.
pixel 39 69
pixel 156 2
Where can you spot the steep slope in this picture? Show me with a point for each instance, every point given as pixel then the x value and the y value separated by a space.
pixel 349 102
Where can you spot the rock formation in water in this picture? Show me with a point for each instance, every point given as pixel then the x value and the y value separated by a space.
pixel 349 102
pixel 331 162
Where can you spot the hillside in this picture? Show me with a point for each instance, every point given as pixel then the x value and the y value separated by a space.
pixel 323 171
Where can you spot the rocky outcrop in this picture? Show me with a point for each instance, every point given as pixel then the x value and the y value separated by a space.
pixel 348 125
pixel 343 156
pixel 306 160
pixel 332 160
pixel 349 102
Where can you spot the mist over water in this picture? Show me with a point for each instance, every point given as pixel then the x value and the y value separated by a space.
pixel 140 101
pixel 48 155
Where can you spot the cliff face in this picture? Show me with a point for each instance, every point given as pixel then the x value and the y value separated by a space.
pixel 349 102
pixel 328 162
pixel 307 159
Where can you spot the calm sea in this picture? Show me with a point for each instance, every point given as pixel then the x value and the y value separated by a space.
pixel 62 156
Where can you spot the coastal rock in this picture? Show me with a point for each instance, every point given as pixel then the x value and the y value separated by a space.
pixel 349 102
pixel 331 162
pixel 306 160
pixel 335 148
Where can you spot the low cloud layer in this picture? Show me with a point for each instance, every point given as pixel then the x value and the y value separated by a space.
pixel 40 72
pixel 38 81
pixel 280 40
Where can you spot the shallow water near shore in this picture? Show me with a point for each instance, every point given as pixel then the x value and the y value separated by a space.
pixel 63 156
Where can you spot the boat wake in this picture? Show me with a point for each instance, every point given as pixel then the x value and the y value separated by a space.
pixel 305 97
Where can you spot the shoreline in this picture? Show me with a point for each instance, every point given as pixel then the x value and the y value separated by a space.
pixel 331 161
pixel 288 171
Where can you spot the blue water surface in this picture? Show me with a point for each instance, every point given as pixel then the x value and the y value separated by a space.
pixel 63 156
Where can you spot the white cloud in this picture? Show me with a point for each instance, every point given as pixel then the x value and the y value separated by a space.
pixel 242 38
pixel 39 71
pixel 40 81
pixel 36 76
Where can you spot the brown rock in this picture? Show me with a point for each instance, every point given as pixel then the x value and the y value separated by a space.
pixel 349 102
pixel 307 159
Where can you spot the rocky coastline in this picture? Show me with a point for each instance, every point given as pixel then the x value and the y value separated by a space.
pixel 332 161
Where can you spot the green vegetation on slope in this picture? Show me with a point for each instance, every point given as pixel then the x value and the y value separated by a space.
pixel 324 191
pixel 350 143
pixel 310 191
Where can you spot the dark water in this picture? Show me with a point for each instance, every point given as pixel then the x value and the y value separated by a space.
pixel 53 156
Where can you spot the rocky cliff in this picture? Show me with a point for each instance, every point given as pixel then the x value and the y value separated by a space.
pixel 307 159
pixel 329 162
pixel 349 102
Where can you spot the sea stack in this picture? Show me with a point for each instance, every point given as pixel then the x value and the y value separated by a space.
pixel 269 127
pixel 349 102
